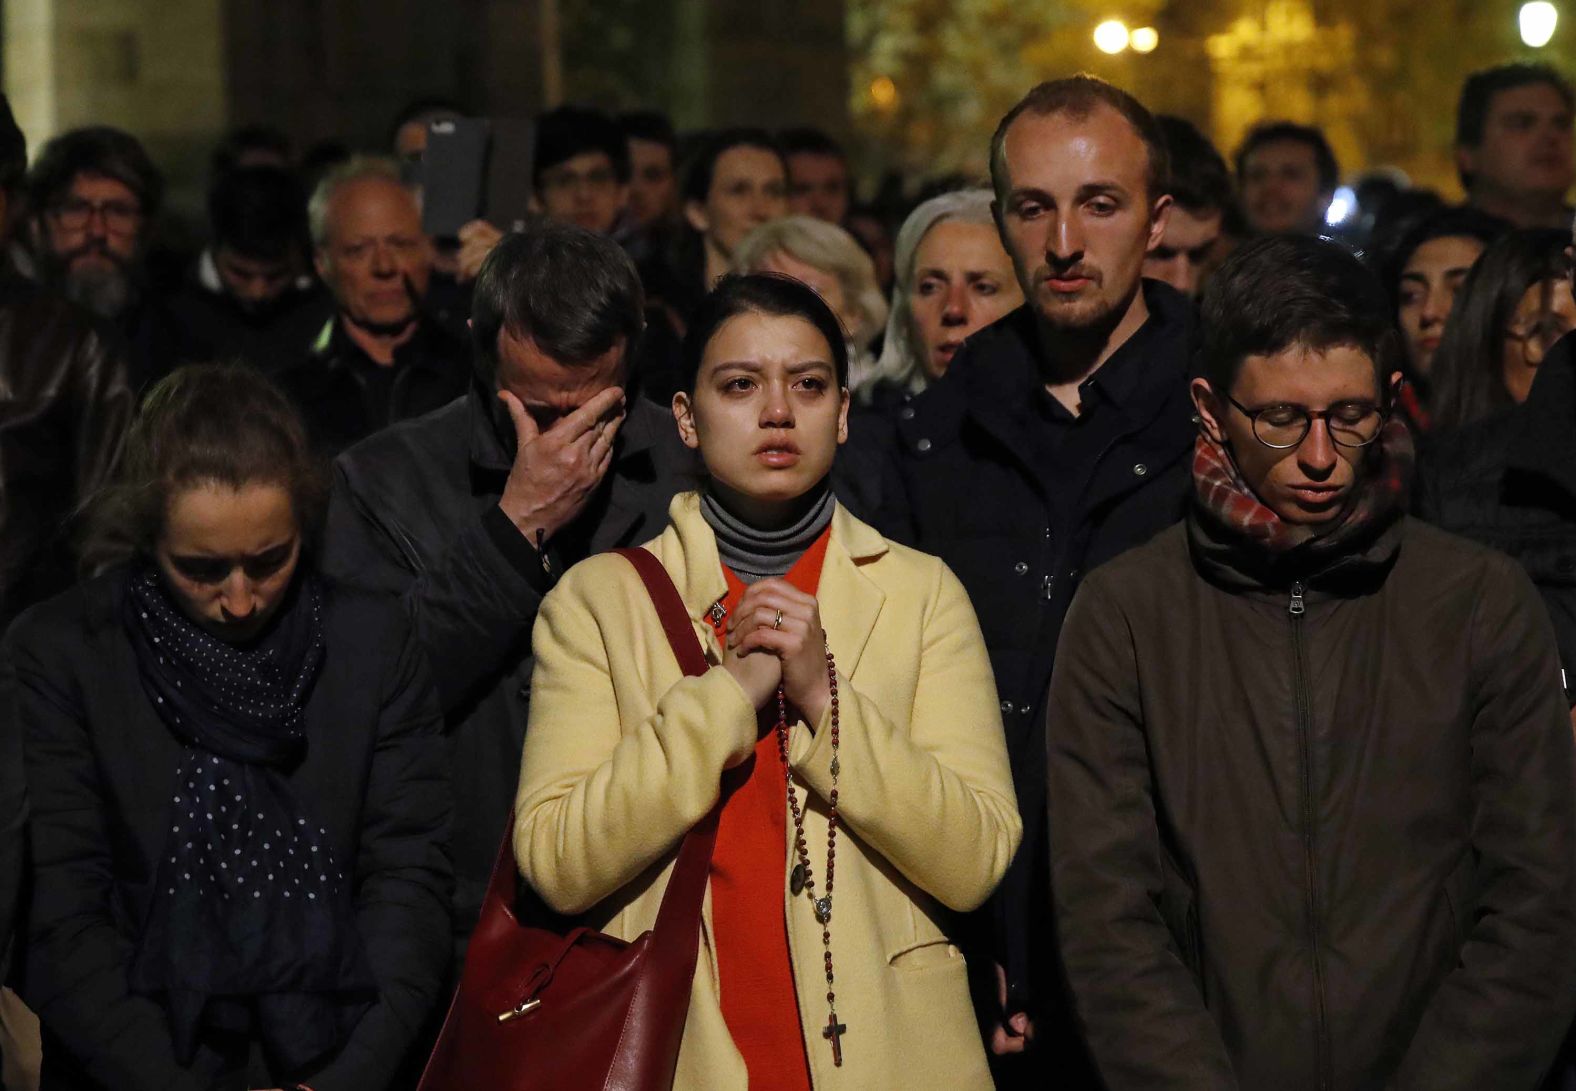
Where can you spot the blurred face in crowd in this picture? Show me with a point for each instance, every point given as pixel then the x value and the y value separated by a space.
pixel 410 141
pixel 1429 282
pixel 1309 483
pixel 92 235
pixel 548 388
pixel 1186 249
pixel 584 190
pixel 766 414
pixel 375 259
pixel 653 190
pixel 1546 313
pixel 1076 215
pixel 228 555
pixel 252 282
pixel 826 283
pixel 1281 191
pixel 818 186
pixel 962 280
pixel 748 188
pixel 1526 151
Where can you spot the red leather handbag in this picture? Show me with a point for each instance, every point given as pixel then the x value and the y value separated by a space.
pixel 544 1010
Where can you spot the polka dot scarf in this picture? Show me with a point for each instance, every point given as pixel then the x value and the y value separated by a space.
pixel 251 928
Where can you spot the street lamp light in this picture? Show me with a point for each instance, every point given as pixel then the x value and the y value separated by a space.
pixel 1111 36
pixel 1144 40
pixel 1538 20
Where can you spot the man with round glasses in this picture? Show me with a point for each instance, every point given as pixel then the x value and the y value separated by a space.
pixel 1310 768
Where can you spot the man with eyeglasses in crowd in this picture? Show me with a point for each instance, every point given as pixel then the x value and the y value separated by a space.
pixel 94 195
pixel 1310 769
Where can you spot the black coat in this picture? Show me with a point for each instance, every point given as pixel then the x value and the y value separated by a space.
pixel 1509 481
pixel 100 764
pixel 961 484
pixel 415 511
pixel 332 384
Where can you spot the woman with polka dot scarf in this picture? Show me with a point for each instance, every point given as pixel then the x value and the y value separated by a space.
pixel 236 775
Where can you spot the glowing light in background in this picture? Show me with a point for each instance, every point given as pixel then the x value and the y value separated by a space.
pixel 1144 40
pixel 1538 20
pixel 1111 36
pixel 1342 206
pixel 883 92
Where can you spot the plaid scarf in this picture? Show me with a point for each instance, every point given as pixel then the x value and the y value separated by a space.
pixel 1224 499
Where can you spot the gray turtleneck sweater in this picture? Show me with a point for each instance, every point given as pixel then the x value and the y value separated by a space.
pixel 755 554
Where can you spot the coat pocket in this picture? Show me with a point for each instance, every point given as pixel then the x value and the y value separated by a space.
pixel 926 955
pixel 1178 905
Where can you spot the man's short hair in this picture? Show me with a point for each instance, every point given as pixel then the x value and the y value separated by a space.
pixel 1285 290
pixel 1279 132
pixel 13 150
pixel 652 126
pixel 97 149
pixel 1477 97
pixel 354 169
pixel 1200 181
pixel 572 291
pixel 803 140
pixel 1079 96
pixel 243 139
pixel 258 212
pixel 569 131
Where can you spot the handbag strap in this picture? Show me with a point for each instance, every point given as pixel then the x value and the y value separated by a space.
pixel 678 920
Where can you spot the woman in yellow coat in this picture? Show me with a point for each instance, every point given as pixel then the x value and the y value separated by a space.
pixel 855 661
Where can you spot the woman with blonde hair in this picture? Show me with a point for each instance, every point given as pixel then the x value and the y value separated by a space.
pixel 845 736
pixel 831 261
pixel 953 277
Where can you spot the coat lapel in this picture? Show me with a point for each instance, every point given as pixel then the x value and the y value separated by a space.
pixel 850 600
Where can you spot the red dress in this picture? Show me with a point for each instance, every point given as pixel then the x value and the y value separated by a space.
pixel 748 893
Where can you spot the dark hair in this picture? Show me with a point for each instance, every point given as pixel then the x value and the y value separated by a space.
pixel 1468 372
pixel 759 293
pixel 1200 182
pixel 98 149
pixel 258 212
pixel 1079 96
pixel 222 423
pixel 1443 223
pixel 652 125
pixel 803 140
pixel 1285 290
pixel 242 139
pixel 569 131
pixel 1279 132
pixel 572 291
pixel 697 177
pixel 1477 98
pixel 13 149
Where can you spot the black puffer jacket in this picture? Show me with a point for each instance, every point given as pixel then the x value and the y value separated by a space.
pixel 1509 481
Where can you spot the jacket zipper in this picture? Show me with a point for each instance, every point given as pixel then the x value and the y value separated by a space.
pixel 1296 608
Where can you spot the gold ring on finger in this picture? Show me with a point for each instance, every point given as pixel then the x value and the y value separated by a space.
pixel 778 622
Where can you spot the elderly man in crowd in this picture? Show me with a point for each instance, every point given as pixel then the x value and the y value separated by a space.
pixel 380 359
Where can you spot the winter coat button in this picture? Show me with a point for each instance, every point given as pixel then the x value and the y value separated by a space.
pixel 906 413
pixel 1006 708
pixel 1139 469
pixel 922 446
pixel 1021 568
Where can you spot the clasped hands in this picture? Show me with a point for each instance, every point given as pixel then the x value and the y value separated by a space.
pixel 763 652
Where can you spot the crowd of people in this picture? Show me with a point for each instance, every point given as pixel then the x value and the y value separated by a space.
pixel 1143 607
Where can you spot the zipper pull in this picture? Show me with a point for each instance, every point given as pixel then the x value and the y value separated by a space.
pixel 1297 608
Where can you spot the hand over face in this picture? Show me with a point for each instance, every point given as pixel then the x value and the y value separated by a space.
pixel 556 471
pixel 777 618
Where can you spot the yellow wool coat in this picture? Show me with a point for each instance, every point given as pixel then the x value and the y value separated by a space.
pixel 623 755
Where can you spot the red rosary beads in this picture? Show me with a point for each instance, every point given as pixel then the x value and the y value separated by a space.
pixel 802 880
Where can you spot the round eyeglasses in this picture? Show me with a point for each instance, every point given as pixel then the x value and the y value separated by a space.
pixel 1283 426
